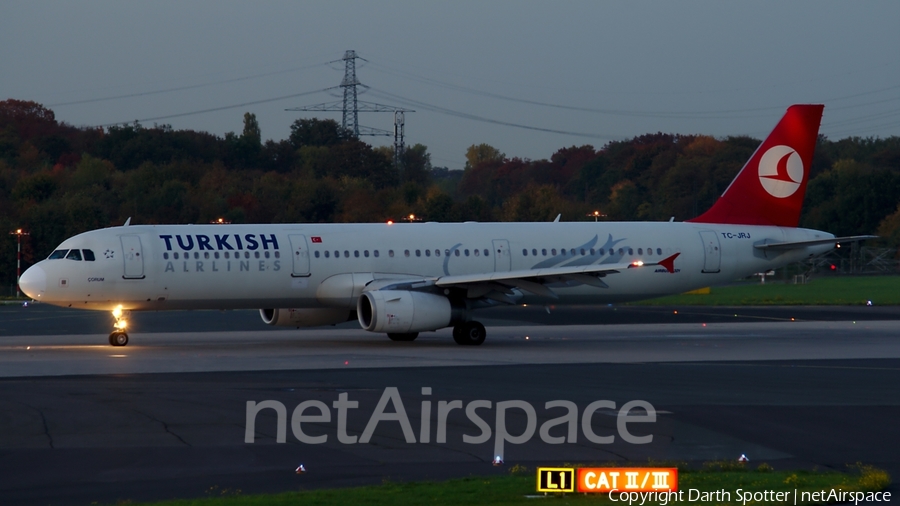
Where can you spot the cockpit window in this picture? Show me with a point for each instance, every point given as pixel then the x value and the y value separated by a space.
pixel 88 255
pixel 56 255
pixel 74 255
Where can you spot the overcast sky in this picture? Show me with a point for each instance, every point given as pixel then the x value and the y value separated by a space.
pixel 471 70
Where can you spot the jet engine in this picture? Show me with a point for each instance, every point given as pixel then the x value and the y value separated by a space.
pixel 402 311
pixel 304 317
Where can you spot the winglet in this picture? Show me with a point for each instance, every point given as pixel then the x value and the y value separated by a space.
pixel 669 263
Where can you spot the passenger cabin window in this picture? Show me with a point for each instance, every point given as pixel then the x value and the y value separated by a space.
pixel 316 254
pixel 74 255
pixel 486 253
pixel 56 255
pixel 533 252
pixel 88 255
pixel 466 252
pixel 659 251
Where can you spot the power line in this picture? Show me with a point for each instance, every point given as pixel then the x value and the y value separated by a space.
pixel 183 88
pixel 474 117
pixel 223 108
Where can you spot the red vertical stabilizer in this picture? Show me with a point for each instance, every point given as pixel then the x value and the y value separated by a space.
pixel 769 189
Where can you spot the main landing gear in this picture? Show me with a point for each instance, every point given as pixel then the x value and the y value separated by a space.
pixel 118 337
pixel 469 333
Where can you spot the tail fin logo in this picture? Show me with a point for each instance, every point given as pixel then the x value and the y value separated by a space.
pixel 781 171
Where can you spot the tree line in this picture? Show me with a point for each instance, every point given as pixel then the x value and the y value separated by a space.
pixel 57 180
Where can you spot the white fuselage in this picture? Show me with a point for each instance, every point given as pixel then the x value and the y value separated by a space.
pixel 163 267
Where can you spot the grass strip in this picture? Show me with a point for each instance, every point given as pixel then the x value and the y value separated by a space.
pixel 516 488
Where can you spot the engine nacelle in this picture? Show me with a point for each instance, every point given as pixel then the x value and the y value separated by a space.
pixel 304 317
pixel 401 311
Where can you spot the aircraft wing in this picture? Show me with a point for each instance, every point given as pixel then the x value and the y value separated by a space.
pixel 815 242
pixel 495 284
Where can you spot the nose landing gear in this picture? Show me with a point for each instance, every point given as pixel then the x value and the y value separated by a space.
pixel 118 337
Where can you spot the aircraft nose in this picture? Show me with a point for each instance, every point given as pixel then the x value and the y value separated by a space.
pixel 33 282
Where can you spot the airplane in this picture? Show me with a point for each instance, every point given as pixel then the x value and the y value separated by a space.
pixel 401 279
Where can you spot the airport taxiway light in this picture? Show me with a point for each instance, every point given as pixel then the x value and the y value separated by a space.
pixel 497 461
pixel 743 458
pixel 301 469
pixel 676 312
pixel 390 222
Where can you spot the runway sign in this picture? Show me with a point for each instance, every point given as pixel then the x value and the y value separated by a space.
pixel 627 479
pixel 555 479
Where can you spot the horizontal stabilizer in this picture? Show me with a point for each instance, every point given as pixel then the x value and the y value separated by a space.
pixel 815 242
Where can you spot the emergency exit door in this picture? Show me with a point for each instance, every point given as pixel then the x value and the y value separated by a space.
pixel 300 255
pixel 502 258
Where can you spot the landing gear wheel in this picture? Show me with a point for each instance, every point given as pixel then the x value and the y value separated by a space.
pixel 118 338
pixel 469 333
pixel 403 337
